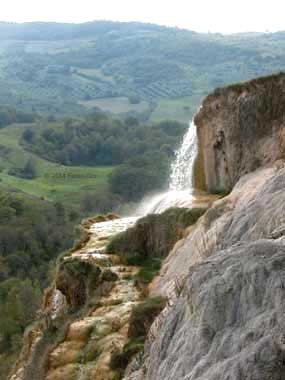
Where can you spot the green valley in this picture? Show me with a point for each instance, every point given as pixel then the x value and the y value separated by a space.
pixel 54 182
pixel 125 68
pixel 92 163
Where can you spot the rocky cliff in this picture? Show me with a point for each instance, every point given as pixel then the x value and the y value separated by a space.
pixel 225 280
pixel 241 128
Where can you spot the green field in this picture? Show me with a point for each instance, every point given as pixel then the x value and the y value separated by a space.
pixel 175 109
pixel 115 105
pixel 54 182
pixel 96 73
pixel 180 109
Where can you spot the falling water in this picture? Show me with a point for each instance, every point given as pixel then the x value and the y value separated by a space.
pixel 182 168
pixel 179 193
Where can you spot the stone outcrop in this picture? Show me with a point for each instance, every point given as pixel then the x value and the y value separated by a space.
pixel 226 319
pixel 155 234
pixel 77 280
pixel 254 209
pixel 225 281
pixel 241 128
pixel 228 322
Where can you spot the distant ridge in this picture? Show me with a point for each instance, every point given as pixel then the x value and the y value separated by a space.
pixel 126 68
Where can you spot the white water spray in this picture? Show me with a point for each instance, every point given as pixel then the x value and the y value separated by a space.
pixel 181 179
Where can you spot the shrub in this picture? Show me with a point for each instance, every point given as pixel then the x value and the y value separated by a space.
pixel 154 235
pixel 77 280
pixel 143 315
pixel 120 359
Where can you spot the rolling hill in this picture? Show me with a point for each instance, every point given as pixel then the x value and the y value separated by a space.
pixel 149 71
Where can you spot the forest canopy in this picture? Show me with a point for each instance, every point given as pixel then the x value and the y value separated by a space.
pixel 32 234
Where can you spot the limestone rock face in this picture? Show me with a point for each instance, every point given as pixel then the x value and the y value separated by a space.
pixel 255 209
pixel 226 321
pixel 241 128
pixel 229 321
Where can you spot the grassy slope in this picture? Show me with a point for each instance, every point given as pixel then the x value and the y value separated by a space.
pixel 54 182
pixel 180 109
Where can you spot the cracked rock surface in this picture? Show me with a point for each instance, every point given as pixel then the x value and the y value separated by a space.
pixel 228 323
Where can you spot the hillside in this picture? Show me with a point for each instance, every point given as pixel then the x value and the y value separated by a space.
pixel 93 164
pixel 125 68
pixel 52 181
pixel 32 235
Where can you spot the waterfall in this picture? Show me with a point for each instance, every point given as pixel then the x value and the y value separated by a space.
pixel 182 168
pixel 179 193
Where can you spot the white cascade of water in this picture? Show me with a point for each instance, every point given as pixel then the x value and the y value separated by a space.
pixel 180 189
pixel 181 177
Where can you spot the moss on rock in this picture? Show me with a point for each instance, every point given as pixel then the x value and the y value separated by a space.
pixel 155 234
pixel 77 279
pixel 143 316
pixel 121 358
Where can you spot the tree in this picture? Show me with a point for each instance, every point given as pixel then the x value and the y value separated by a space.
pixel 28 135
pixel 132 183
pixel 60 212
pixel 102 202
pixel 29 170
pixel 131 121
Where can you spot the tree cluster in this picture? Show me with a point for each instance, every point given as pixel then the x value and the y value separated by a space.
pixel 10 115
pixel 32 234
pixel 141 153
